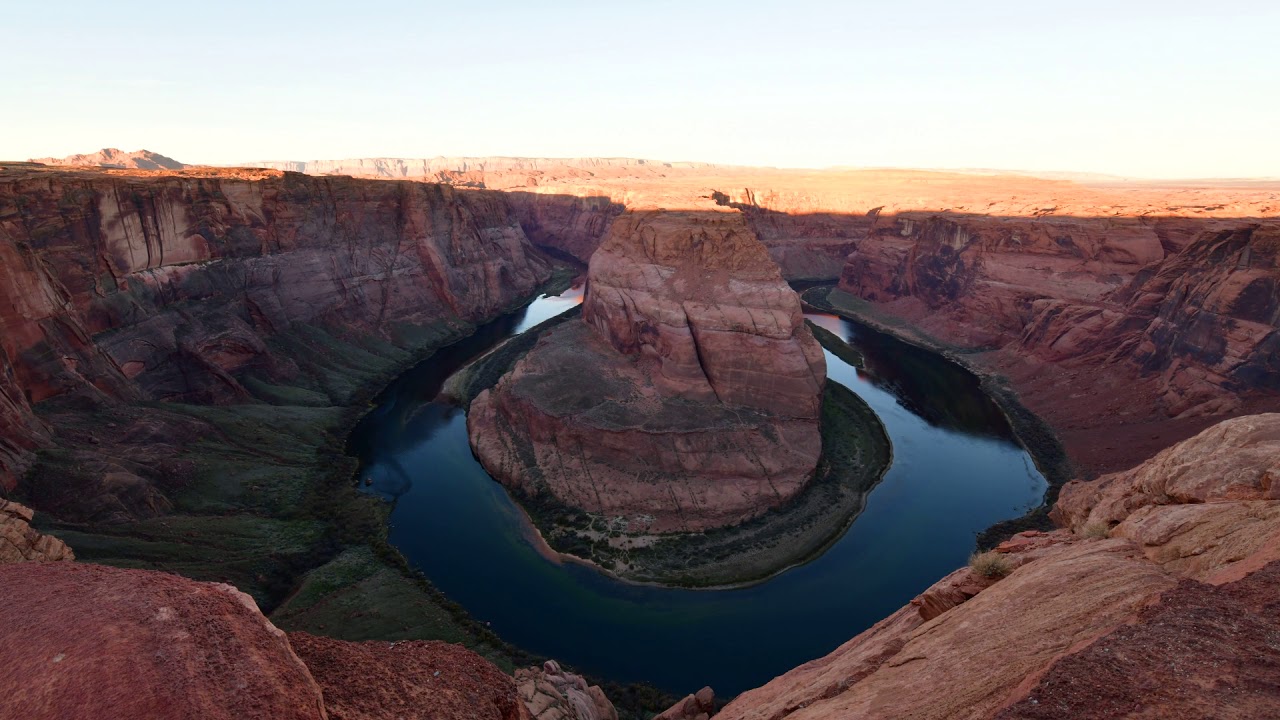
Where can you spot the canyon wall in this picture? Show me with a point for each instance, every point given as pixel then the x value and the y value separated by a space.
pixel 1145 327
pixel 688 396
pixel 124 286
pixel 1156 601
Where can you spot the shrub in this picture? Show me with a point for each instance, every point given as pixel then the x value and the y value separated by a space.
pixel 990 564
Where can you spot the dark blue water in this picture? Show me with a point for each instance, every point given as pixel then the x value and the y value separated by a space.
pixel 956 471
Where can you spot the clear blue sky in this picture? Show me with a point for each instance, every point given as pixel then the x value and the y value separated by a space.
pixel 1158 89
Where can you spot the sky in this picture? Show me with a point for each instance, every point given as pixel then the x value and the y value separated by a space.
pixel 1168 89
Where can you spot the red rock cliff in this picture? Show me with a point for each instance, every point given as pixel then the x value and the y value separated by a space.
pixel 1156 324
pixel 128 285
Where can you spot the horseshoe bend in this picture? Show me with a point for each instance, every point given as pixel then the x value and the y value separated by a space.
pixel 608 438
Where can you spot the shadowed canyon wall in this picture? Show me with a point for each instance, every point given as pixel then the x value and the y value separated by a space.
pixel 1160 323
pixel 130 287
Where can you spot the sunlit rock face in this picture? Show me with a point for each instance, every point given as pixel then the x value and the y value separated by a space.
pixel 1163 572
pixel 687 399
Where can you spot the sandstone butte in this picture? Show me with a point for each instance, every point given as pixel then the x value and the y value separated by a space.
pixel 688 396
pixel 1129 315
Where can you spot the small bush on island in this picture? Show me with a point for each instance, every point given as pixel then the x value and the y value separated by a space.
pixel 990 564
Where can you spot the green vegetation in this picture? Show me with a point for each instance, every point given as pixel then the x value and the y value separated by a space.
pixel 990 564
pixel 486 371
pixel 836 346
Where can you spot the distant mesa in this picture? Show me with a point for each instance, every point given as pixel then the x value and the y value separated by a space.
pixel 115 158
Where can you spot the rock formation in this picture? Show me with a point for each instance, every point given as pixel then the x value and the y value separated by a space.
pixel 1161 325
pixel 1085 625
pixel 410 679
pixel 113 158
pixel 84 641
pixel 698 706
pixel 550 693
pixel 688 398
pixel 119 286
pixel 19 542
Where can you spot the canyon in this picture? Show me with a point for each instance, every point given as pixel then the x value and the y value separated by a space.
pixel 1155 295
pixel 123 288
pixel 180 351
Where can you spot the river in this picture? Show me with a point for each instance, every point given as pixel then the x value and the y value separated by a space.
pixel 956 471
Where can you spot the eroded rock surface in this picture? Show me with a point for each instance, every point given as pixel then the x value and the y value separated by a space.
pixel 19 542
pixel 1160 324
pixel 698 706
pixel 119 286
pixel 550 693
pixel 1173 615
pixel 85 641
pixel 412 679
pixel 688 398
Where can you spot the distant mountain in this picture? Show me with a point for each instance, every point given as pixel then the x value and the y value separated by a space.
pixel 389 167
pixel 114 158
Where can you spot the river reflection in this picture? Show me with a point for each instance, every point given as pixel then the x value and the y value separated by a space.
pixel 956 471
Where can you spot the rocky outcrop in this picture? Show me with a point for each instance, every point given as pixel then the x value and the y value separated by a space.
pixel 550 693
pixel 429 680
pixel 698 706
pixel 193 649
pixel 1193 472
pixel 113 158
pixel 19 542
pixel 1086 625
pixel 119 286
pixel 84 641
pixel 688 398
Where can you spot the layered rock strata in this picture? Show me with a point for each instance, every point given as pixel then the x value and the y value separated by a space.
pixel 1171 322
pixel 1084 287
pixel 687 399
pixel 1167 572
pixel 127 286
